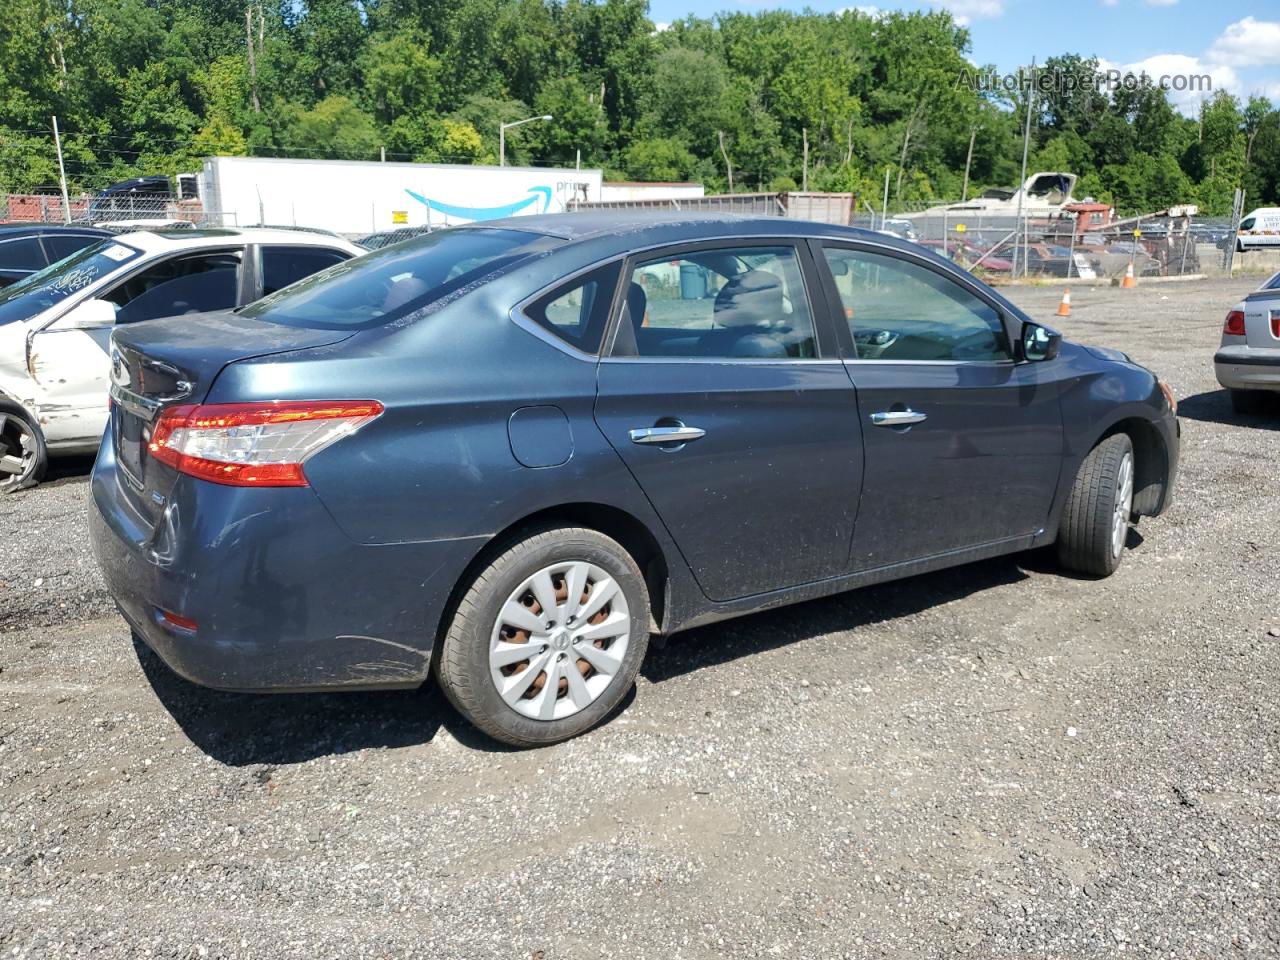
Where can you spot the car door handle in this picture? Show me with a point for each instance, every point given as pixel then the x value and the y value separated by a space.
pixel 897 418
pixel 680 434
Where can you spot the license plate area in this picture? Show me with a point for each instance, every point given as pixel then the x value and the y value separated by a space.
pixel 131 438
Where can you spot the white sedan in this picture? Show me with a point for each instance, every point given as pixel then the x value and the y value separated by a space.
pixel 1248 360
pixel 55 326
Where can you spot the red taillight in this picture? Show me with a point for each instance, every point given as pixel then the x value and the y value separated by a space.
pixel 1275 324
pixel 254 444
pixel 174 620
pixel 1235 324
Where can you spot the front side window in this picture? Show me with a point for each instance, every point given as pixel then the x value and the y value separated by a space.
pixel 395 281
pixel 176 286
pixel 733 302
pixel 55 283
pixel 900 310
pixel 578 311
pixel 282 266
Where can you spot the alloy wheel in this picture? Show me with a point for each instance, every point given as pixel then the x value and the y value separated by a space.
pixel 1124 505
pixel 17 450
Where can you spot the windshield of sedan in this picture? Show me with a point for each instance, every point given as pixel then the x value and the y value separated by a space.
pixel 393 282
pixel 56 282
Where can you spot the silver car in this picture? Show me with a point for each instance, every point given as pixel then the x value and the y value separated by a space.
pixel 1248 361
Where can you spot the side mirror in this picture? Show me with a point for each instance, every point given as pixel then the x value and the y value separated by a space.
pixel 839 266
pixel 90 315
pixel 1039 343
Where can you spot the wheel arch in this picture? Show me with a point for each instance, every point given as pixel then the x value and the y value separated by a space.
pixel 618 524
pixel 1151 462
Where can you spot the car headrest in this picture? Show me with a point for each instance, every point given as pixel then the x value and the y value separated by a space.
pixel 751 299
pixel 637 304
pixel 402 291
pixel 624 341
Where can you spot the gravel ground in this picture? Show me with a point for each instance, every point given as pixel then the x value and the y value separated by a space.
pixel 997 761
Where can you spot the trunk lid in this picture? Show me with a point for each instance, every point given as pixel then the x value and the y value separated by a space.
pixel 1258 310
pixel 163 363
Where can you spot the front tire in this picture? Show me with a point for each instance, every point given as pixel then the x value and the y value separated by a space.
pixel 1095 520
pixel 23 455
pixel 548 638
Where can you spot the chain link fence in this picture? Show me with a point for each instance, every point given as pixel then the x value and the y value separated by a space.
pixel 142 211
pixel 1005 247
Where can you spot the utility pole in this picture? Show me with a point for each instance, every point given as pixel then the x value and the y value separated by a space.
pixel 968 160
pixel 884 205
pixel 252 55
pixel 1026 143
pixel 727 164
pixel 805 174
pixel 62 173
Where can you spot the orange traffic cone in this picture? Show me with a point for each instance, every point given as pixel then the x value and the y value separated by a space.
pixel 1064 308
pixel 1128 282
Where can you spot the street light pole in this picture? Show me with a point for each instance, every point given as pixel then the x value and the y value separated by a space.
pixel 502 135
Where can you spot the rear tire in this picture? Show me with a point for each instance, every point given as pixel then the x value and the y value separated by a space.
pixel 22 447
pixel 1095 520
pixel 536 700
pixel 1248 402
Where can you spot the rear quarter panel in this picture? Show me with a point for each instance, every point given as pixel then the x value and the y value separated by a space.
pixel 439 464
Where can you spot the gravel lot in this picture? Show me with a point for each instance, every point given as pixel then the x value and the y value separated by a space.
pixel 997 761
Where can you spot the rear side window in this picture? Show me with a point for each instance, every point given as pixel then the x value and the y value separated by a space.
pixel 578 311
pixel 731 302
pixel 282 266
pixel 395 281
pixel 21 254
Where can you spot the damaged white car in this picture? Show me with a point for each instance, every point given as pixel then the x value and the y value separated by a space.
pixel 55 326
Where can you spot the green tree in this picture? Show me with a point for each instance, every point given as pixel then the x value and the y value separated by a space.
pixel 661 158
pixel 335 127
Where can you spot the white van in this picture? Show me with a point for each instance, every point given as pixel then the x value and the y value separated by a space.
pixel 1259 229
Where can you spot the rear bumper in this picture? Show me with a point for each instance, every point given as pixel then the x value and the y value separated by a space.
pixel 1243 368
pixel 283 600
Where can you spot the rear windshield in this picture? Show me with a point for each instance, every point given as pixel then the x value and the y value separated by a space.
pixel 56 282
pixel 390 283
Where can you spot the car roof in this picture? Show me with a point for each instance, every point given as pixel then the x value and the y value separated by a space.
pixel 125 186
pixel 18 229
pixel 156 241
pixel 642 228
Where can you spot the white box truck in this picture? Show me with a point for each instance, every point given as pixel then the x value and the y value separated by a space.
pixel 1259 230
pixel 358 197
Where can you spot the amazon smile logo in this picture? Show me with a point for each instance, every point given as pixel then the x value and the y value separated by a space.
pixel 488 213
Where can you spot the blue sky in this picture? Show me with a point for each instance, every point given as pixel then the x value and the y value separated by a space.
pixel 1236 42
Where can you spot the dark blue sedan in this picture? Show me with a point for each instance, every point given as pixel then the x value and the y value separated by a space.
pixel 512 452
